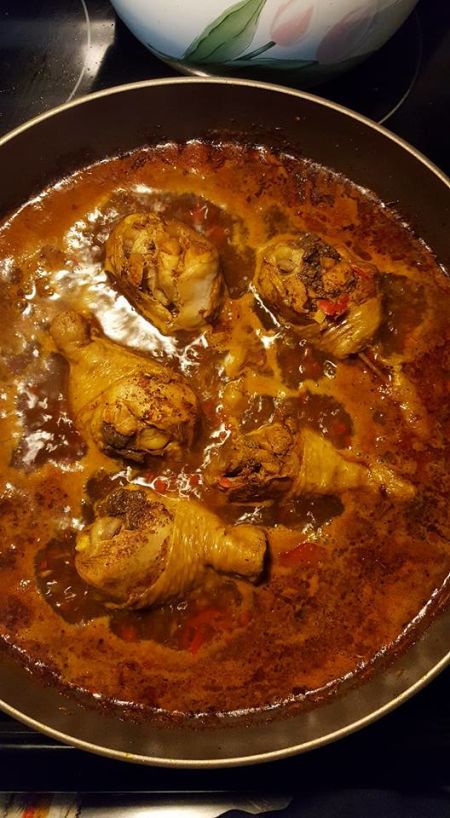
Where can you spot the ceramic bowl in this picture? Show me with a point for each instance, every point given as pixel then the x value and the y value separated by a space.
pixel 312 39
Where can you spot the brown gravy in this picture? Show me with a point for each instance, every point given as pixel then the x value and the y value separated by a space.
pixel 363 568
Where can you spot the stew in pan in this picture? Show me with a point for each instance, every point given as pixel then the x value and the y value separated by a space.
pixel 224 423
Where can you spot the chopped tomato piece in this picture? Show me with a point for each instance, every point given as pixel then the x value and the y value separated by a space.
pixel 197 642
pixel 161 484
pixel 129 633
pixel 225 482
pixel 333 308
pixel 304 553
pixel 202 626
pixel 194 480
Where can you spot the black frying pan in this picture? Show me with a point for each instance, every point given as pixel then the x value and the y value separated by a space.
pixel 117 120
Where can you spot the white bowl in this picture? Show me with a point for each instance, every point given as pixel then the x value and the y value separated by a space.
pixel 311 38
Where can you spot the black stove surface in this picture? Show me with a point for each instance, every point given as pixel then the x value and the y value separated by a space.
pixel 56 50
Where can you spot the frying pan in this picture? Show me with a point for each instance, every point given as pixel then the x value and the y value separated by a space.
pixel 123 118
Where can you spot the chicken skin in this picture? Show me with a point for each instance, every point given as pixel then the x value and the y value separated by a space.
pixel 167 271
pixel 256 465
pixel 130 406
pixel 272 459
pixel 329 297
pixel 144 548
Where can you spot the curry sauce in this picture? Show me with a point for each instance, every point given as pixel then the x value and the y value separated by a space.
pixel 351 572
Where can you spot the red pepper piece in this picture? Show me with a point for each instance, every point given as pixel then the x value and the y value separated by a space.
pixel 304 553
pixel 338 428
pixel 194 480
pixel 333 308
pixel 129 633
pixel 225 482
pixel 161 484
pixel 197 642
pixel 200 627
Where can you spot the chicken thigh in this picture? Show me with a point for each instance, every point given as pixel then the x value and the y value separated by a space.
pixel 167 270
pixel 144 548
pixel 329 297
pixel 130 405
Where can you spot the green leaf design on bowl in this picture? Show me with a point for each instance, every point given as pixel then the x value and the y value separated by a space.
pixel 272 62
pixel 228 35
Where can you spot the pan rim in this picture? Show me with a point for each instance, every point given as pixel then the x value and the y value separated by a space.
pixel 333 735
pixel 235 761
pixel 268 86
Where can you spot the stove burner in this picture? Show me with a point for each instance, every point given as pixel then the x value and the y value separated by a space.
pixel 48 56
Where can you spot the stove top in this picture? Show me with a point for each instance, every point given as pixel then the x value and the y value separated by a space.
pixel 52 51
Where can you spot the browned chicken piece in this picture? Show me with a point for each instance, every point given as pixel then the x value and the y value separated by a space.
pixel 256 465
pixel 144 548
pixel 328 296
pixel 130 405
pixel 274 459
pixel 167 271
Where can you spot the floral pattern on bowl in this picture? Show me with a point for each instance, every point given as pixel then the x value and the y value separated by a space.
pixel 319 37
